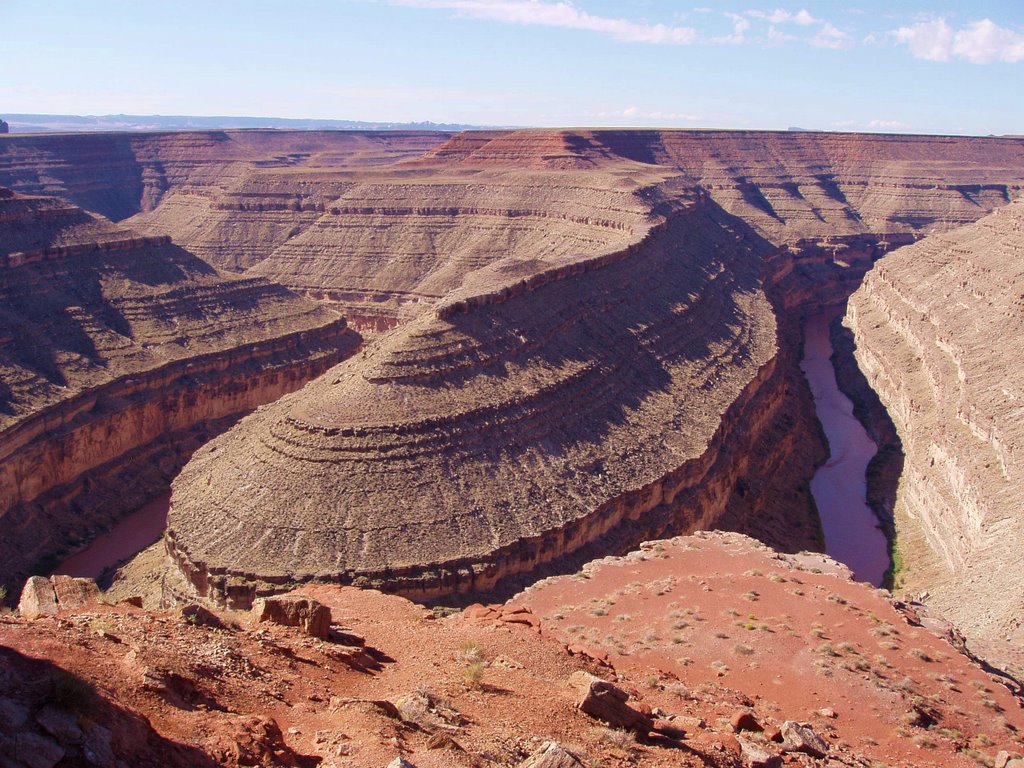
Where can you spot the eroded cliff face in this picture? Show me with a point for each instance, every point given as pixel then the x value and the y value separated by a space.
pixel 571 413
pixel 937 326
pixel 118 354
pixel 439 236
pixel 383 225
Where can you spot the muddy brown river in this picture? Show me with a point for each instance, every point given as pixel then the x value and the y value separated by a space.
pixel 122 542
pixel 852 532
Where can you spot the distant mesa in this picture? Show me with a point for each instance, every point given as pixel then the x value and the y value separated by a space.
pixel 4 127
pixel 37 123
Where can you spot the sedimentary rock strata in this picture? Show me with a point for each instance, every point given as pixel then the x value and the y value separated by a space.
pixel 503 430
pixel 460 238
pixel 382 225
pixel 117 352
pixel 938 325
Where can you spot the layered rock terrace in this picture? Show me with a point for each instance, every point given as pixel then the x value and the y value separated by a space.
pixel 501 431
pixel 937 326
pixel 490 254
pixel 117 352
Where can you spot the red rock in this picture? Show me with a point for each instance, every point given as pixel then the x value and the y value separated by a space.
pixel 307 614
pixel 37 598
pixel 744 720
pixel 591 653
pixel 551 755
pixel 607 702
pixel 800 737
pixel 73 594
pixel 527 619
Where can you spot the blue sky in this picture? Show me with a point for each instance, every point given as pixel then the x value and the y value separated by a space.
pixel 923 67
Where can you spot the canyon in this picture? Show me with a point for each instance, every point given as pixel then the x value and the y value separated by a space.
pixel 120 354
pixel 498 274
pixel 474 360
pixel 936 324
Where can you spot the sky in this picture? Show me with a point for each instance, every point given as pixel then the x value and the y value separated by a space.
pixel 934 66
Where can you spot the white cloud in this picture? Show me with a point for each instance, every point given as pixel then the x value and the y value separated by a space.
pixel 780 16
pixel 889 125
pixel 777 36
pixel 739 26
pixel 828 35
pixel 981 42
pixel 562 14
pixel 984 42
pixel 633 113
pixel 804 19
pixel 871 125
pixel 932 40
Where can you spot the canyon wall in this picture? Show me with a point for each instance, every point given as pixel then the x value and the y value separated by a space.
pixel 430 239
pixel 118 354
pixel 576 411
pixel 384 225
pixel 937 326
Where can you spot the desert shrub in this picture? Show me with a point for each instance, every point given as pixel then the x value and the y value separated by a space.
pixel 617 737
pixel 471 652
pixel 474 673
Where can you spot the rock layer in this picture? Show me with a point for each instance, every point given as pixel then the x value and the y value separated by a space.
pixel 384 224
pixel 937 326
pixel 117 351
pixel 504 430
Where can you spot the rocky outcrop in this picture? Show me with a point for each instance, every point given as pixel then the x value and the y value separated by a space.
pixel 577 411
pixel 43 596
pixel 607 702
pixel 307 614
pixel 936 324
pixel 118 354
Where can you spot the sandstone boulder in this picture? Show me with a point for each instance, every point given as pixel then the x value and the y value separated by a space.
pixel 607 702
pixel 307 614
pixel 1006 759
pixel 755 755
pixel 74 593
pixel 744 720
pixel 551 754
pixel 37 598
pixel 800 737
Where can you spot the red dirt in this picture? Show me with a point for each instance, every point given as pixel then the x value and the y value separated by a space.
pixel 205 689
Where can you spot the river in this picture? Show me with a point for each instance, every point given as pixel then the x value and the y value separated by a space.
pixel 130 536
pixel 852 532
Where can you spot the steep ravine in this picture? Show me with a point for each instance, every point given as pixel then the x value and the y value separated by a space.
pixel 937 328
pixel 851 529
pixel 119 355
